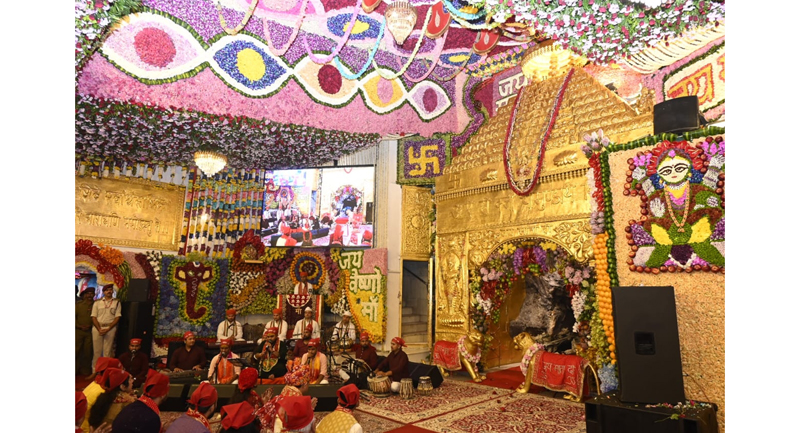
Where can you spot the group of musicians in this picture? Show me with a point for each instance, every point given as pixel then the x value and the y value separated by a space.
pixel 354 358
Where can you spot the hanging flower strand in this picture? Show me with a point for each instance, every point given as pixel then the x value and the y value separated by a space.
pixel 436 52
pixel 345 37
pixel 299 23
pixel 343 69
pixel 402 70
pixel 237 29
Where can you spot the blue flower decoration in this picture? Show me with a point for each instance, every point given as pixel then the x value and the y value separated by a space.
pixel 228 60
pixel 457 59
pixel 337 24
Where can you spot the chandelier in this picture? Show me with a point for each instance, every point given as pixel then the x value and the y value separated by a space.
pixel 210 163
pixel 548 60
pixel 400 19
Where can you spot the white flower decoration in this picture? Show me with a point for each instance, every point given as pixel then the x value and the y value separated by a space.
pixel 657 207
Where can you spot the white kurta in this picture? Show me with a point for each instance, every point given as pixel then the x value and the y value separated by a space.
pixel 282 326
pixel 300 326
pixel 345 333
pixel 227 329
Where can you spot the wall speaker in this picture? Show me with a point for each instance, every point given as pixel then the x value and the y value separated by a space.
pixel 648 347
pixel 136 322
pixel 417 370
pixel 176 398
pixel 138 290
pixel 677 115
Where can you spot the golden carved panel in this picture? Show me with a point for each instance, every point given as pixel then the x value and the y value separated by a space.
pixel 416 231
pixel 452 291
pixel 129 212
pixel 498 207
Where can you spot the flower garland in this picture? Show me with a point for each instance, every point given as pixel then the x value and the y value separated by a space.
pixel 387 76
pixel 85 247
pixel 526 358
pixel 370 58
pixel 462 349
pixel 436 53
pixel 240 26
pixel 542 144
pixel 342 41
pixel 292 36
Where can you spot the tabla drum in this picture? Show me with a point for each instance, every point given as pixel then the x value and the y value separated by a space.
pixel 380 386
pixel 407 388
pixel 355 366
pixel 425 386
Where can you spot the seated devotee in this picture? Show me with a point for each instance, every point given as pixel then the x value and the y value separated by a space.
pixel 341 420
pixel 135 362
pixel 317 363
pixel 143 415
pixel 106 314
pixel 201 406
pixel 304 322
pixel 344 332
pixel 270 357
pixel 118 392
pixel 395 365
pixel 303 287
pixel 301 345
pixel 94 389
pixel 230 327
pixel 222 370
pixel 276 322
pixel 80 410
pixel 238 418
pixel 295 414
pixel 187 357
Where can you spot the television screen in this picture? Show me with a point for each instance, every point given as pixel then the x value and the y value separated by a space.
pixel 319 207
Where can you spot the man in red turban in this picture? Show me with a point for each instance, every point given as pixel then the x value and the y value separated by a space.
pixel 94 389
pixel 303 287
pixel 222 370
pixel 238 417
pixel 188 357
pixel 317 362
pixel 395 365
pixel 136 361
pixel 276 322
pixel 270 357
pixel 342 419
pixel 230 327
pixel 295 414
pixel 202 404
pixel 143 415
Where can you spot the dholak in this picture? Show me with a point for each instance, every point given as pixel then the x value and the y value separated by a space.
pixel 425 385
pixel 407 388
pixel 380 386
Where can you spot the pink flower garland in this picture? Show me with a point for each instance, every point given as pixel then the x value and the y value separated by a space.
pixel 526 359
pixel 295 32
pixel 462 349
pixel 335 52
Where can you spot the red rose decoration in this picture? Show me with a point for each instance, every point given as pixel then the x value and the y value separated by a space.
pixel 154 46
pixel 330 80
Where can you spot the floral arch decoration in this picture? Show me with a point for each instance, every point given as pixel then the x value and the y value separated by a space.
pixel 514 258
pixel 108 263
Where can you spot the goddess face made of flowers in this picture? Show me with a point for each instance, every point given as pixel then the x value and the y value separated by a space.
pixel 674 168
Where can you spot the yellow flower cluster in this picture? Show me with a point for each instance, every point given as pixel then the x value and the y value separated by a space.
pixel 112 255
pixel 548 246
pixel 508 248
pixel 271 254
pixel 603 291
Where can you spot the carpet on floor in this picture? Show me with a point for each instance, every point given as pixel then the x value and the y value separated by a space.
pixel 451 395
pixel 509 378
pixel 512 413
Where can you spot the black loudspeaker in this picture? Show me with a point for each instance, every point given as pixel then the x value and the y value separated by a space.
pixel 606 414
pixel 677 115
pixel 176 398
pixel 368 213
pixel 417 370
pixel 136 322
pixel 138 290
pixel 648 347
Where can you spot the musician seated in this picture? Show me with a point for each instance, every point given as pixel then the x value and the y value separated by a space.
pixel 304 323
pixel 270 358
pixel 365 351
pixel 395 365
pixel 188 357
pixel 317 363
pixel 366 359
pixel 230 327
pixel 301 346
pixel 344 332
pixel 278 322
pixel 221 370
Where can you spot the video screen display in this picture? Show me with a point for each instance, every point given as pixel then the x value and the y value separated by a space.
pixel 319 207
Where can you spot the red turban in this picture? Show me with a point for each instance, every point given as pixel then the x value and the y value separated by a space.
pixel 248 378
pixel 226 341
pixel 348 395
pixel 113 377
pixel 367 235
pixel 236 416
pixel 187 334
pixel 299 412
pixel 156 385
pixel 303 274
pixel 136 341
pixel 230 311
pixel 297 377
pixel 204 396
pixel 314 342
pixel 102 364
pixel 365 334
pixel 286 230
pixel 80 405
pixel 271 330
pixel 400 341
pixel 277 311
